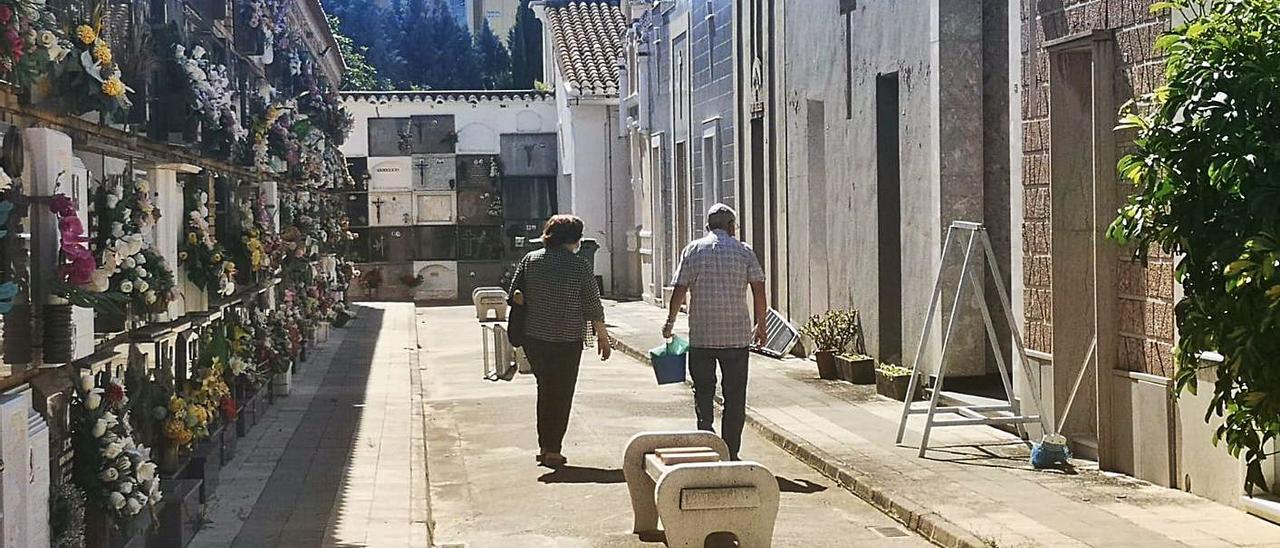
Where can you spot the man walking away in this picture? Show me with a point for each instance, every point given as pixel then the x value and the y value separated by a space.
pixel 717 269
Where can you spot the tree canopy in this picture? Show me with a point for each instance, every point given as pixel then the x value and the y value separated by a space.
pixel 420 44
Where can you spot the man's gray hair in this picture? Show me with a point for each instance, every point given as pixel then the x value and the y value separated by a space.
pixel 721 217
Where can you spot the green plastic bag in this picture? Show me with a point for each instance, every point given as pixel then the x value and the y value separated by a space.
pixel 670 361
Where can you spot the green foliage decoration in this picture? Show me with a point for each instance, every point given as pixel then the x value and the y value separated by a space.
pixel 832 331
pixel 1206 190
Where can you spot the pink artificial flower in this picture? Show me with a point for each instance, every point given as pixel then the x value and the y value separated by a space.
pixel 80 270
pixel 61 204
pixel 72 230
pixel 6 14
pixel 15 41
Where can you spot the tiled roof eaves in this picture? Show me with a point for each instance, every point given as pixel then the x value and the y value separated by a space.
pixel 586 39
pixel 449 96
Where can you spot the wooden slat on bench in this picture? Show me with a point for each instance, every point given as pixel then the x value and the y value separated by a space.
pixel 719 498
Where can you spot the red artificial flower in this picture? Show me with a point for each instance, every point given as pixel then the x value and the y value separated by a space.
pixel 6 14
pixel 229 409
pixel 115 393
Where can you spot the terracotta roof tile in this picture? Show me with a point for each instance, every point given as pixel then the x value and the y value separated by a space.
pixel 587 40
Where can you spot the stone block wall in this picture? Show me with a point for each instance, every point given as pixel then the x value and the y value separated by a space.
pixel 1146 295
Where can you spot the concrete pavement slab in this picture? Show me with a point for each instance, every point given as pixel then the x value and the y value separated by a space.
pixel 486 490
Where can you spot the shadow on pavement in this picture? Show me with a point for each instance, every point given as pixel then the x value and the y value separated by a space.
pixel 802 486
pixel 583 474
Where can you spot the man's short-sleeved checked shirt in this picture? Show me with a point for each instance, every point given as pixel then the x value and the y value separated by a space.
pixel 717 269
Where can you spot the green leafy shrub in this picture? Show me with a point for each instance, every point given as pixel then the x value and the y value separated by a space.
pixel 832 331
pixel 1207 177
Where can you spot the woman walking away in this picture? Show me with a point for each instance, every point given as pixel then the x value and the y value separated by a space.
pixel 560 294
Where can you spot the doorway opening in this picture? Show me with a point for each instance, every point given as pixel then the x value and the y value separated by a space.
pixel 889 218
pixel 758 193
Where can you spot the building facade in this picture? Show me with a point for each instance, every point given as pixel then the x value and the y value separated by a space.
pixel 456 187
pixel 680 110
pixel 582 42
pixel 499 14
pixel 1078 65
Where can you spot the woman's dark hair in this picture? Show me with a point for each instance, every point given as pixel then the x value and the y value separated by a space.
pixel 562 229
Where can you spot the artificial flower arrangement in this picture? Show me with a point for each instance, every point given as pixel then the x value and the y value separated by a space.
pixel 211 96
pixel 268 17
pixel 29 45
pixel 115 472
pixel 260 244
pixel 89 79
pixel 77 266
pixel 127 264
pixel 206 262
pixel 184 422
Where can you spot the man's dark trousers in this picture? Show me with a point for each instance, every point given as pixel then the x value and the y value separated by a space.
pixel 733 367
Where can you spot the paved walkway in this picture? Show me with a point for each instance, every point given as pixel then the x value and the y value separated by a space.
pixel 487 491
pixel 340 461
pixel 975 488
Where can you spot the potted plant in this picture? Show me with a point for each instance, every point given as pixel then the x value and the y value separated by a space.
pixel 856 368
pixel 831 332
pixel 894 380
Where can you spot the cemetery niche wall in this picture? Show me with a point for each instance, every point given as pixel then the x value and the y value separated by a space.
pixel 452 188
pixel 174 238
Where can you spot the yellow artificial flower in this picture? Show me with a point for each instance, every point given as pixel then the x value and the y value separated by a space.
pixel 113 87
pixel 177 431
pixel 191 238
pixel 102 54
pixel 176 405
pixel 217 257
pixel 86 34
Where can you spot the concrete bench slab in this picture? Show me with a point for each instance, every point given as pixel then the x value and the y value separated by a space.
pixel 686 481
pixel 490 299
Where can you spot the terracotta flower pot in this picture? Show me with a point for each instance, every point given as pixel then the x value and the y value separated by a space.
pixel 827 365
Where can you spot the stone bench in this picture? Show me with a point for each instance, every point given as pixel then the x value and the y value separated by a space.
pixel 490 299
pixel 685 479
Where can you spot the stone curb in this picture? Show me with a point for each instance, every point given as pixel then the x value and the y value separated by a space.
pixel 929 524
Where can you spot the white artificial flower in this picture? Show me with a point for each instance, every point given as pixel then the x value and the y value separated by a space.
pixel 127 212
pixel 93 401
pixel 146 471
pixel 112 201
pixel 142 286
pixel 141 273
pixel 117 500
pixel 130 263
pixel 48 39
pixel 99 428
pixel 132 507
pixel 99 281
pixel 113 450
pixel 126 286
pixel 126 487
pixel 5 181
pixel 57 53
pixel 111 418
pixel 86 381
pixel 117 230
pixel 109 474
pixel 140 259
pixel 150 297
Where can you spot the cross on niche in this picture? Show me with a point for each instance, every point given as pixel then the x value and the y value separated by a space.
pixel 422 164
pixel 528 153
pixel 377 205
